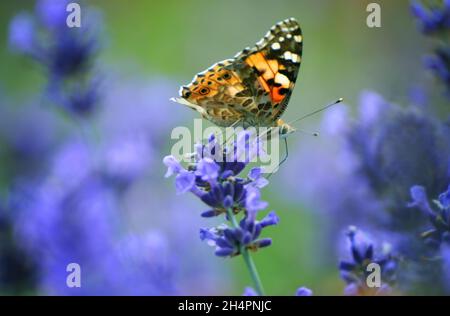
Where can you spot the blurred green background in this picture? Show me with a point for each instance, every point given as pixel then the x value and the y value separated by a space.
pixel 342 56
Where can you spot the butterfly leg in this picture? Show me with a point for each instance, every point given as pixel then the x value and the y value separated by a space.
pixel 286 152
pixel 282 160
pixel 232 136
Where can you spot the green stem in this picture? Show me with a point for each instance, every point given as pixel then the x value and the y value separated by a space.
pixel 247 257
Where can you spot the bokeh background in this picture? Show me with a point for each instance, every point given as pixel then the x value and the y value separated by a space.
pixel 82 140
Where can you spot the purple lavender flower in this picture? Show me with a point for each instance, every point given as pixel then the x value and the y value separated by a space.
pixel 214 177
pixel 217 184
pixel 435 256
pixel 439 219
pixel 354 270
pixel 228 241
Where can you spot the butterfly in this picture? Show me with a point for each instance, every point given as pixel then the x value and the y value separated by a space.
pixel 255 86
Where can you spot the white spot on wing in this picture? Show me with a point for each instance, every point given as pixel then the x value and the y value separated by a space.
pixel 275 46
pixel 287 55
pixel 298 38
pixel 282 79
pixel 295 58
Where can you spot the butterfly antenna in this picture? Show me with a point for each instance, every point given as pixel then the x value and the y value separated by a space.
pixel 315 134
pixel 317 111
pixel 306 116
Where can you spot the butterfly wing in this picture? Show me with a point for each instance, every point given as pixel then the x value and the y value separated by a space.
pixel 255 86
pixel 275 61
pixel 215 93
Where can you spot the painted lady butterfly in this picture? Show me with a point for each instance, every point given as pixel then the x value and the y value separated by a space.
pixel 253 88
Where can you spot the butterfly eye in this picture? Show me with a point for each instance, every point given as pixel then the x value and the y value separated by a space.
pixel 186 94
pixel 204 91
pixel 226 76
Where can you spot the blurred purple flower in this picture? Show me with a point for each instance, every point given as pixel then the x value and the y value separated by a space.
pixel 402 147
pixel 27 134
pixel 62 225
pixel 97 185
pixel 65 53
pixel 22 34
pixel 439 64
pixel 127 158
pixel 440 218
pixel 362 252
pixel 248 291
pixel 16 273
pixel 365 169
pixel 433 19
pixel 152 113
pixel 330 168
pixel 52 13
pixel 389 152
pixel 73 215
pixel 304 291
pixel 148 264
pixel 444 199
pixel 436 238
pixel 81 100
pixel 445 255
pixel 301 291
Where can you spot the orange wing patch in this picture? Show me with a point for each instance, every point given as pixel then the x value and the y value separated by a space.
pixel 270 79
